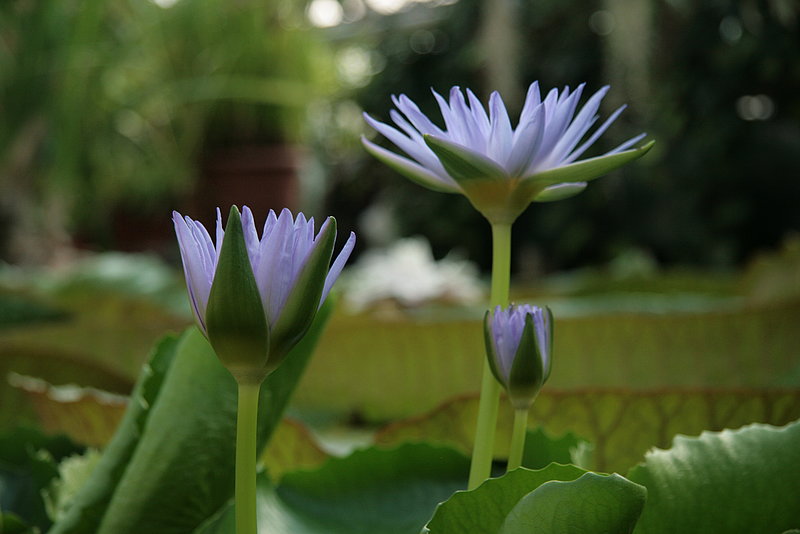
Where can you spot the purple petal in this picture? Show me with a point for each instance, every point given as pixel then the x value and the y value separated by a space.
pixel 501 135
pixel 337 266
pixel 413 170
pixel 415 148
pixel 597 133
pixel 415 116
pixel 526 143
pixel 532 102
pixel 198 262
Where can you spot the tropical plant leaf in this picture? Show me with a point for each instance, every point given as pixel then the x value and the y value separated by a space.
pixel 485 508
pixel 621 425
pixel 90 502
pixel 743 480
pixel 181 472
pixel 372 491
pixel 600 504
pixel 86 415
pixel 292 447
pixel 435 357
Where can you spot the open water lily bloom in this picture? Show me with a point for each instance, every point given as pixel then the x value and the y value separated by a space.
pixel 519 342
pixel 501 169
pixel 255 296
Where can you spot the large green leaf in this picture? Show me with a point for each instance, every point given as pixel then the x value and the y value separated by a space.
pixel 621 424
pixel 744 480
pixel 485 508
pixel 90 503
pixel 181 472
pixel 596 504
pixel 371 491
pixel 436 356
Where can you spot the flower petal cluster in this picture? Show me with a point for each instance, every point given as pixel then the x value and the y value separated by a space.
pixel 286 274
pixel 500 168
pixel 519 342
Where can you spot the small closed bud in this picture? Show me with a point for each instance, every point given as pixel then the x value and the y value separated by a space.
pixel 519 343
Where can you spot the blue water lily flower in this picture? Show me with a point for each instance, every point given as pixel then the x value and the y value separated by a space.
pixel 255 297
pixel 519 344
pixel 501 169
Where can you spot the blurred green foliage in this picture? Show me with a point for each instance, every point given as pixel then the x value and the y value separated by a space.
pixel 109 105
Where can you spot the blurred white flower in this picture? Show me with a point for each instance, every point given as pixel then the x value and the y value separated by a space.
pixel 407 274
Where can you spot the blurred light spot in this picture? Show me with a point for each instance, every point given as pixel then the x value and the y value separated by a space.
pixel 164 3
pixel 755 107
pixel 325 13
pixel 602 22
pixel 422 41
pixel 730 29
pixel 354 10
pixel 130 124
pixel 356 66
pixel 387 7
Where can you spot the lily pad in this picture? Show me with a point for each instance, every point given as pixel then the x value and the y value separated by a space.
pixel 743 480
pixel 485 508
pixel 386 491
pixel 600 504
pixel 620 424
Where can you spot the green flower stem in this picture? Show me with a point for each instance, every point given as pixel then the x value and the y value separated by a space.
pixel 483 449
pixel 246 428
pixel 518 439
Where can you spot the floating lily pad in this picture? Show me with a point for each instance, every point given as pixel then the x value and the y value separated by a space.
pixel 743 480
pixel 386 491
pixel 621 425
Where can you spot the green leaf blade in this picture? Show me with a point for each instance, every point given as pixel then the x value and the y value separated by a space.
pixel 597 504
pixel 744 480
pixel 87 510
pixel 485 508
pixel 181 473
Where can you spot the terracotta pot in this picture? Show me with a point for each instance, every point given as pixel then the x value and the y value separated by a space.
pixel 262 177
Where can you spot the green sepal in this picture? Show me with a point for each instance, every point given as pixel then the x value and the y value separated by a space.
pixel 551 327
pixel 588 169
pixel 303 301
pixel 462 164
pixel 491 354
pixel 235 319
pixel 528 371
pixel 560 192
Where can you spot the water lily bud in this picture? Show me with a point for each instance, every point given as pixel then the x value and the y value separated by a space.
pixel 499 168
pixel 519 341
pixel 255 297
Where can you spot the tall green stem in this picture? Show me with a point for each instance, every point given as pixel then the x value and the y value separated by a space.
pixel 246 429
pixel 518 439
pixel 481 466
